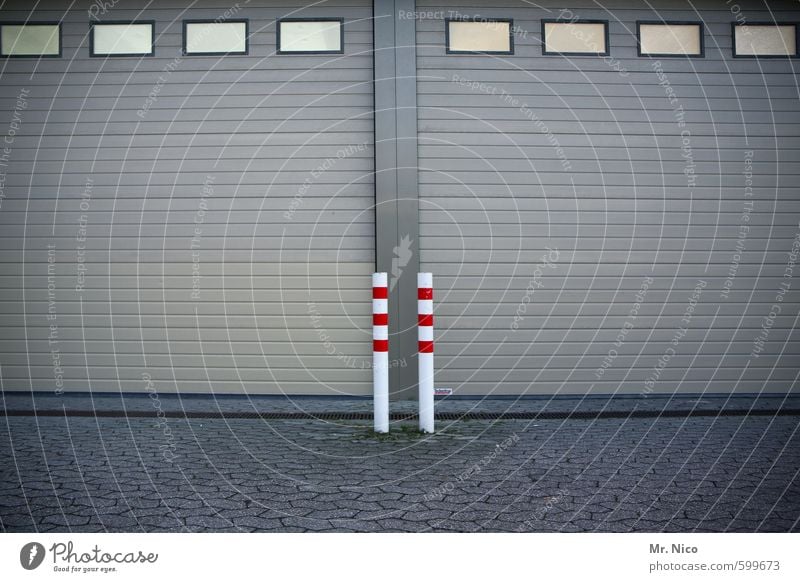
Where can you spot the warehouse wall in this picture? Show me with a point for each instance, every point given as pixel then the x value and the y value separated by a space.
pixel 189 224
pixel 588 234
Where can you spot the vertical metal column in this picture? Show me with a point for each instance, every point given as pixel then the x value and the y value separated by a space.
pixel 396 183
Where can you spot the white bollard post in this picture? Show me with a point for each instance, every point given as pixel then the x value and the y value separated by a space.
pixel 380 352
pixel 425 348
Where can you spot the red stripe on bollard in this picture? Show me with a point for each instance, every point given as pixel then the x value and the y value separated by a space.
pixel 380 345
pixel 425 319
pixel 424 293
pixel 425 347
pixel 380 293
pixel 380 319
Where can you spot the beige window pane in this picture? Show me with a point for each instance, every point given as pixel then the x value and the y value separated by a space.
pixel 216 37
pixel 670 39
pixel 30 39
pixel 479 36
pixel 311 35
pixel 575 37
pixel 122 39
pixel 765 40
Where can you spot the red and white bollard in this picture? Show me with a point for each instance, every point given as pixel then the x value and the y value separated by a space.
pixel 380 352
pixel 425 348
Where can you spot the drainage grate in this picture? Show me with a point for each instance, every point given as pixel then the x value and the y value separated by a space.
pixel 554 415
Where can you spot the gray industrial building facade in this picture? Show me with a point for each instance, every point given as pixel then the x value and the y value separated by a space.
pixel 622 222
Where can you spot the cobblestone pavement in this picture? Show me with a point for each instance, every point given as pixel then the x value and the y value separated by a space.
pixel 646 474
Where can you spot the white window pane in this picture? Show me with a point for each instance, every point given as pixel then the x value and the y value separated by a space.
pixel 122 39
pixel 575 37
pixel 310 35
pixel 670 39
pixel 765 40
pixel 29 39
pixel 216 37
pixel 479 36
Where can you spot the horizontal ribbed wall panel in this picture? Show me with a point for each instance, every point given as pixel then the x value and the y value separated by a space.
pixel 588 157
pixel 211 218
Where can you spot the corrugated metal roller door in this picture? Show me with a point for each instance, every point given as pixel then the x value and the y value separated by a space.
pixel 645 234
pixel 225 202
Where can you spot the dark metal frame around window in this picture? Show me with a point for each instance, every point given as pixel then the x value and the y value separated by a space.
pixel 246 51
pixel 698 23
pixel 152 24
pixel 448 51
pixel 735 25
pixel 576 54
pixel 42 23
pixel 322 52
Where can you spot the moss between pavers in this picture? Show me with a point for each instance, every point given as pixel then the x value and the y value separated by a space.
pixel 463 430
pixel 404 432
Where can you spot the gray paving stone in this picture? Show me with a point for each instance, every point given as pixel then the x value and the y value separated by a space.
pixel 307 524
pixel 120 522
pixel 257 524
pixel 333 514
pixel 207 522
pixel 69 520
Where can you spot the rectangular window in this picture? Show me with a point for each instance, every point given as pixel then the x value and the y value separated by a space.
pixel 670 39
pixel 757 39
pixel 310 36
pixel 33 39
pixel 479 36
pixel 579 37
pixel 207 37
pixel 122 39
